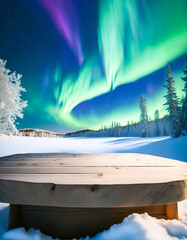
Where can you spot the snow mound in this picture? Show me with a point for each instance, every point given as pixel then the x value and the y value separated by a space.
pixel 144 227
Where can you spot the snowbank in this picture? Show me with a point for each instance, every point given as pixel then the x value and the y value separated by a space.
pixel 136 226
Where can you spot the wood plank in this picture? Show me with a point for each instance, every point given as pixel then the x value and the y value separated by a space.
pixel 72 163
pixel 178 171
pixel 82 163
pixel 79 155
pixel 172 211
pixel 45 155
pixel 128 176
pixel 126 159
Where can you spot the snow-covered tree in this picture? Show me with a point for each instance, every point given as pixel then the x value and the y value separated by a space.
pixel 172 104
pixel 156 120
pixel 143 116
pixel 184 102
pixel 156 115
pixel 11 104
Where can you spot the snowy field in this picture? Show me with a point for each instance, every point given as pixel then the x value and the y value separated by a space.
pixel 136 226
pixel 158 146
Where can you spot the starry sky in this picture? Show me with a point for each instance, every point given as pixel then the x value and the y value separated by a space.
pixel 85 63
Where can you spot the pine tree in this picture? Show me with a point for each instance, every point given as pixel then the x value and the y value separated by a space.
pixel 11 104
pixel 156 118
pixel 143 117
pixel 156 115
pixel 184 102
pixel 172 104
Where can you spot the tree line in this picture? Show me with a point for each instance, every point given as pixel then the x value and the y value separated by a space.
pixel 176 108
pixel 173 124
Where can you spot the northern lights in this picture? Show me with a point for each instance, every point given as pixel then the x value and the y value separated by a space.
pixel 63 13
pixel 86 63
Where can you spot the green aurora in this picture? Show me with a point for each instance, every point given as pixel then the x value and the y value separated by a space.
pixel 86 63
pixel 132 44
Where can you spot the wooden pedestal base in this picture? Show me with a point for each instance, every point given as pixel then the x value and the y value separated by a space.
pixel 68 223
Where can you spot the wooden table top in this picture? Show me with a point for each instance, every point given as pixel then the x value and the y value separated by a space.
pixel 91 180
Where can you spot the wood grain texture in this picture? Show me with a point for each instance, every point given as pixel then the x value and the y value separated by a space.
pixel 22 170
pixel 130 176
pixel 172 211
pixel 126 159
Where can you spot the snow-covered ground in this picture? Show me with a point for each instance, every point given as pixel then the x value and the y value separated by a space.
pixel 136 226
pixel 158 146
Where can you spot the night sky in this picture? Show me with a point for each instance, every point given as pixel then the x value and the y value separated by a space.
pixel 85 63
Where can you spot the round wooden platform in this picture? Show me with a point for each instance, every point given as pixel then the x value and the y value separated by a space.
pixel 91 180
pixel 75 195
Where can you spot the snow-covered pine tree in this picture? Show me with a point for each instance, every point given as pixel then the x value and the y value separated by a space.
pixel 184 102
pixel 172 104
pixel 156 120
pixel 143 117
pixel 11 104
